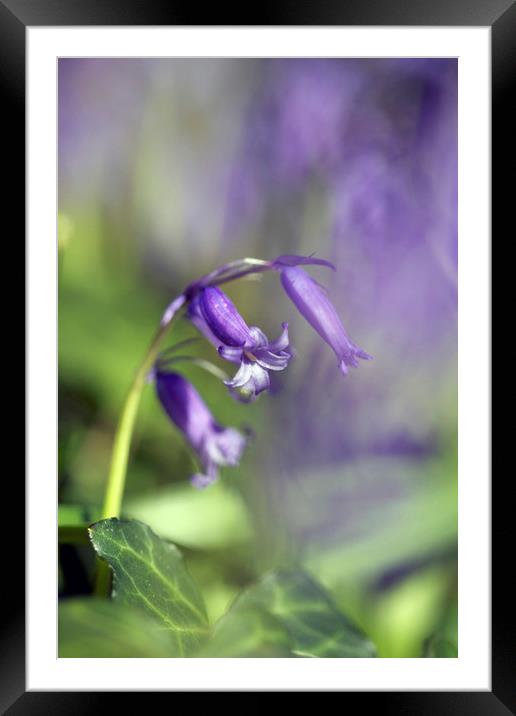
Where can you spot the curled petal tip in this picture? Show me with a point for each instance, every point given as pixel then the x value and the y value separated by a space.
pixel 230 353
pixel 343 367
pixel 201 482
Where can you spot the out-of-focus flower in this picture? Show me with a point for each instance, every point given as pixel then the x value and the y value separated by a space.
pixel 312 301
pixel 217 318
pixel 214 445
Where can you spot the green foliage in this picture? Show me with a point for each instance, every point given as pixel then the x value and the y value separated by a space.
pixel 157 609
pixel 443 644
pixel 399 618
pixel 149 573
pixel 99 628
pixel 213 519
pixel 438 646
pixel 248 631
pixel 288 603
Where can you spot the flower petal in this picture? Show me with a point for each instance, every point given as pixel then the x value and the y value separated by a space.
pixel 214 445
pixel 281 343
pixel 251 380
pixel 225 446
pixel 271 361
pixel 200 481
pixel 230 353
pixel 222 317
pixel 241 377
pixel 362 354
pixel 260 379
pixel 184 406
pixel 194 314
pixel 313 303
pixel 258 336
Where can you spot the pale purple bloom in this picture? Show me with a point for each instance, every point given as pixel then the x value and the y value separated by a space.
pixel 313 303
pixel 217 318
pixel 214 445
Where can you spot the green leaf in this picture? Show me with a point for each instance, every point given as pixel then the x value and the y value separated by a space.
pixel 443 644
pixel 99 628
pixel 287 609
pixel 246 631
pixel 149 573
pixel 316 627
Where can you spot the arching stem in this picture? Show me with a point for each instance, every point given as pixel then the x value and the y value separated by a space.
pixel 115 485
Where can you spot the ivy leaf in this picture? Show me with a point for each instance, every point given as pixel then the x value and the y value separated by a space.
pixel 247 631
pixel 99 628
pixel 316 627
pixel 149 573
pixel 311 625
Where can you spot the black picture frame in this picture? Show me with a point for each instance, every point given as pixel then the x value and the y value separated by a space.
pixel 500 15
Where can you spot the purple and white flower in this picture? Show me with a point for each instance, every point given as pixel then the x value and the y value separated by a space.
pixel 215 446
pixel 217 318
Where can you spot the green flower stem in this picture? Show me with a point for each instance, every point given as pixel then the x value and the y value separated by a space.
pixel 120 454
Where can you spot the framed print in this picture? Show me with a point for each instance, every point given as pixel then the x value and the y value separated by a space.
pixel 258 265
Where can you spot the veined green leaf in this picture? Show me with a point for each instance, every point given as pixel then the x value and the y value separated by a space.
pixel 149 573
pixel 316 627
pixel 100 628
pixel 246 631
pixel 289 609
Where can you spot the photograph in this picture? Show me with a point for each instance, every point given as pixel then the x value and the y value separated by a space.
pixel 257 357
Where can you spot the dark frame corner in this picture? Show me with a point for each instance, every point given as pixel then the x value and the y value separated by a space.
pixel 500 15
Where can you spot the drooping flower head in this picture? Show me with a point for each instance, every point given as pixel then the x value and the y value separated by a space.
pixel 312 301
pixel 214 445
pixel 218 319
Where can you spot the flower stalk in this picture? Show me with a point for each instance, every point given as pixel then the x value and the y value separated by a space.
pixel 115 485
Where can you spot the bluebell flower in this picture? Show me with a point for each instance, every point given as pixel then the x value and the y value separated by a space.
pixel 217 318
pixel 311 300
pixel 214 445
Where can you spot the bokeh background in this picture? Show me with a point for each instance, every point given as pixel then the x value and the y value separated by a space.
pixel 170 167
